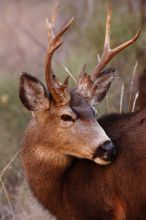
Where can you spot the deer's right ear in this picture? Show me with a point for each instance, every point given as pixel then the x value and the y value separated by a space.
pixel 32 93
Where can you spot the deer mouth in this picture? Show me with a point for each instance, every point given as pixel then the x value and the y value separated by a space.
pixel 105 154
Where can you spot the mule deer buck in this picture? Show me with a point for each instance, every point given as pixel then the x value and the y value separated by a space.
pixel 64 143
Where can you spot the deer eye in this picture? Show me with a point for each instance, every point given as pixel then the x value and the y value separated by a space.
pixel 66 118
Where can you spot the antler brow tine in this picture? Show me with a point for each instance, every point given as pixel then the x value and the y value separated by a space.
pixel 109 53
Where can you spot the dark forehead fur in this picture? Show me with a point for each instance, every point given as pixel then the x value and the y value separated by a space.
pixel 80 106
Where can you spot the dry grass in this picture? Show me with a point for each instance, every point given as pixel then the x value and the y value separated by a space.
pixel 18 202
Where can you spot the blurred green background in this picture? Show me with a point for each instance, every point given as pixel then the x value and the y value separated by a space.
pixel 23 45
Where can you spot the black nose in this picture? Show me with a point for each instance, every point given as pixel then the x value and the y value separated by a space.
pixel 107 146
pixel 107 151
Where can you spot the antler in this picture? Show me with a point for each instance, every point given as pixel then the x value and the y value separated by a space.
pixel 109 53
pixel 88 84
pixel 58 90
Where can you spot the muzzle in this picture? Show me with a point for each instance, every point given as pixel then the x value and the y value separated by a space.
pixel 105 154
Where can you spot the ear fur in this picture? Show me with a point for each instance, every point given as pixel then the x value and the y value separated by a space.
pixel 32 93
pixel 103 83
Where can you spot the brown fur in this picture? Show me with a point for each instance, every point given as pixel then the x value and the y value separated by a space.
pixel 80 189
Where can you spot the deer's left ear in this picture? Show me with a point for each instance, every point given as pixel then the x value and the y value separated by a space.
pixel 102 85
pixel 33 94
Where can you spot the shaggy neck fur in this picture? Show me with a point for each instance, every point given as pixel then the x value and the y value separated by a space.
pixel 46 171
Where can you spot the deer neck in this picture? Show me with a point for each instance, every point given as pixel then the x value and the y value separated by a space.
pixel 53 163
pixel 47 175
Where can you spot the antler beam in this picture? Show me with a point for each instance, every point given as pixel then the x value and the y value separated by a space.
pixel 58 90
pixel 109 53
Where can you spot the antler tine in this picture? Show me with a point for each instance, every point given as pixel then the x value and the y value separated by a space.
pixel 65 28
pixel 109 53
pixel 108 27
pixel 55 41
pixel 57 90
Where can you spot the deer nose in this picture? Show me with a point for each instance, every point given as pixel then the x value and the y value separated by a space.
pixel 106 152
pixel 109 150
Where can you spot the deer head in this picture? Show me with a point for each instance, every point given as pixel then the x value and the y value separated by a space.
pixel 65 120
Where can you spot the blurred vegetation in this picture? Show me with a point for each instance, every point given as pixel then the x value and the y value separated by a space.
pixel 13 117
pixel 23 46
